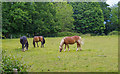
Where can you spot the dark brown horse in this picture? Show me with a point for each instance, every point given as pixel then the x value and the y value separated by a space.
pixel 23 41
pixel 71 40
pixel 39 39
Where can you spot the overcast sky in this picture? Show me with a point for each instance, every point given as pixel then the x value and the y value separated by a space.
pixel 111 2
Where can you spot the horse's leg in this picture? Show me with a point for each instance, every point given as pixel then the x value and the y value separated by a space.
pixel 33 43
pixel 41 44
pixel 26 45
pixel 68 47
pixel 37 44
pixel 65 48
pixel 78 45
pixel 23 47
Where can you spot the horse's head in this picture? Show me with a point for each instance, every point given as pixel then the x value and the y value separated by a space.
pixel 60 48
pixel 61 44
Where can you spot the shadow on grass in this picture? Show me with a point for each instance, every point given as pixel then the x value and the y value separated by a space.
pixel 73 50
pixel 20 49
pixel 90 50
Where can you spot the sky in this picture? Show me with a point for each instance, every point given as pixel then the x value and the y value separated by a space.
pixel 111 2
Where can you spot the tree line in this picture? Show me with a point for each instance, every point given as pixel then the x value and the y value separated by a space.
pixel 51 18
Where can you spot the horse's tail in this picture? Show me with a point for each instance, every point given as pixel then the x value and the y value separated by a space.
pixel 43 41
pixel 80 41
pixel 33 43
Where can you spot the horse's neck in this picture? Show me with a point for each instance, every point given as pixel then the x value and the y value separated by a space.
pixel 62 42
pixel 40 38
pixel 61 45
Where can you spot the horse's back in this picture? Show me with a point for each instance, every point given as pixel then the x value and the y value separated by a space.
pixel 71 40
pixel 36 38
pixel 23 39
pixel 42 39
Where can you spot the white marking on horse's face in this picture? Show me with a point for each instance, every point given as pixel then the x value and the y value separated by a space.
pixel 61 44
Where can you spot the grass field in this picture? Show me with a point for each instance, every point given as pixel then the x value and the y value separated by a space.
pixel 99 54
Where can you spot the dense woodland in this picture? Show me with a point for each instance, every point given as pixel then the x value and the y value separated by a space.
pixel 51 18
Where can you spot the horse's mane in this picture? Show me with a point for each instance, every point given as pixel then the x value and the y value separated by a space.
pixel 62 41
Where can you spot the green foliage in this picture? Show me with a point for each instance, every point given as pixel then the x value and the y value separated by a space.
pixel 88 17
pixel 36 18
pixel 62 34
pixel 3 37
pixel 44 19
pixel 106 10
pixel 50 18
pixel 107 15
pixel 114 17
pixel 16 17
pixel 113 33
pixel 63 17
pixel 10 62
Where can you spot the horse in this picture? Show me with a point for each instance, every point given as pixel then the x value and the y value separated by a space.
pixel 23 41
pixel 37 39
pixel 71 40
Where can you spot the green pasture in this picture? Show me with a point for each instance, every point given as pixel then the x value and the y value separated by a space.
pixel 99 54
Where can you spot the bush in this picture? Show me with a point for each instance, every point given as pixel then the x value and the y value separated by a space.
pixel 60 34
pixel 9 63
pixel 3 37
pixel 113 33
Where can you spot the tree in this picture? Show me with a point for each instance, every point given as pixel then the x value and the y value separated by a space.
pixel 16 17
pixel 119 16
pixel 88 17
pixel 106 13
pixel 63 16
pixel 114 17
pixel 28 17
pixel 43 19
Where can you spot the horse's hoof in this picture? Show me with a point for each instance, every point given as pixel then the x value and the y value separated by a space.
pixel 23 50
pixel 64 50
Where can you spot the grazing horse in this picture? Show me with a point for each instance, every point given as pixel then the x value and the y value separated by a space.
pixel 37 39
pixel 23 41
pixel 71 40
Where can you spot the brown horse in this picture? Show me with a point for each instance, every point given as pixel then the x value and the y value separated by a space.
pixel 39 39
pixel 71 40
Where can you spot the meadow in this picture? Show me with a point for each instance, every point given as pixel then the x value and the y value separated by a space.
pixel 99 54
